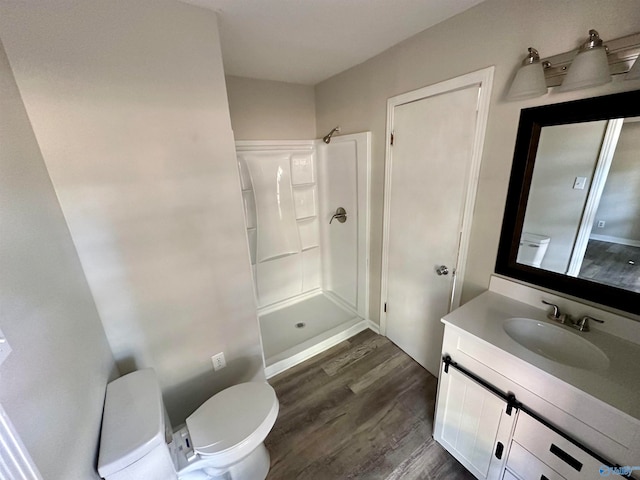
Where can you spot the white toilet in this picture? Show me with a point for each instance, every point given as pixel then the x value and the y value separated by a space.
pixel 532 249
pixel 223 438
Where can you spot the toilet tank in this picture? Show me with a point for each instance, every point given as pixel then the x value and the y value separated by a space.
pixel 135 430
pixel 532 249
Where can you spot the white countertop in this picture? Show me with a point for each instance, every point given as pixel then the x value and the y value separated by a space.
pixel 617 385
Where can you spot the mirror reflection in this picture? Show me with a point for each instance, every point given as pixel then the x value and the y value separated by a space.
pixel 582 216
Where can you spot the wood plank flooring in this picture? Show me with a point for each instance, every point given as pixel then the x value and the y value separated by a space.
pixel 612 264
pixel 363 409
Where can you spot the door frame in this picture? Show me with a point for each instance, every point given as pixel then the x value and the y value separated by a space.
pixel 484 79
pixel 601 172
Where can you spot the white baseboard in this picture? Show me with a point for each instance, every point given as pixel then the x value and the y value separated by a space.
pixel 622 241
pixel 373 326
pixel 291 358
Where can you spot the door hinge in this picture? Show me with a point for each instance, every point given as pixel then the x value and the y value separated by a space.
pixel 392 139
pixel 385 307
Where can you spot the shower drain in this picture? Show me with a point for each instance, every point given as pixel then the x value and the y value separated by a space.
pixel 301 325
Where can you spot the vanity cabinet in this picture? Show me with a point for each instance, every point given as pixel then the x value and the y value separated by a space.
pixel 495 438
pixel 498 429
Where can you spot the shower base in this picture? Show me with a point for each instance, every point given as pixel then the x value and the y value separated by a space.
pixel 297 332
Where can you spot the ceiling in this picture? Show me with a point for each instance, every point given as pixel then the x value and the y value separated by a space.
pixel 307 41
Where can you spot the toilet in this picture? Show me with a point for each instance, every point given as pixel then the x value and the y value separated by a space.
pixel 222 440
pixel 532 249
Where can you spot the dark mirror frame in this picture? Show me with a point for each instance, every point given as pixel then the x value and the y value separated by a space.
pixel 531 122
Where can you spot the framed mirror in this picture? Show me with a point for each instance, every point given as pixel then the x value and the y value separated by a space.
pixel 572 217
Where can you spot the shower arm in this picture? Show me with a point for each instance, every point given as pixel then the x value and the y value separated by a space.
pixel 327 138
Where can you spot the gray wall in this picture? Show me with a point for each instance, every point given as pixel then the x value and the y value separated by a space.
pixel 267 110
pixel 129 107
pixel 496 32
pixel 554 207
pixel 620 203
pixel 52 385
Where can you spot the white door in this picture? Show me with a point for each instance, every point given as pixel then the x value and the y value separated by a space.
pixel 430 187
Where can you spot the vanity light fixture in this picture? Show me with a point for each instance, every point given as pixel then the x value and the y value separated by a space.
pixel 592 64
pixel 529 81
pixel 590 68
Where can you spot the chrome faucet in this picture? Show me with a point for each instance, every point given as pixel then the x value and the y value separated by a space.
pixel 555 315
pixel 581 325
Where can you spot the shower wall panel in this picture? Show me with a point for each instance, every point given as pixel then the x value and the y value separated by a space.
pixel 275 215
pixel 338 173
pixel 343 178
pixel 281 216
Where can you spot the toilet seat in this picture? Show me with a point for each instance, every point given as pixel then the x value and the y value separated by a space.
pixel 233 422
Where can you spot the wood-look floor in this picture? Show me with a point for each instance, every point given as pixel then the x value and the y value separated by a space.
pixel 363 409
pixel 612 264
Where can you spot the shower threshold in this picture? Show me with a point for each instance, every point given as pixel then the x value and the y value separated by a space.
pixel 299 331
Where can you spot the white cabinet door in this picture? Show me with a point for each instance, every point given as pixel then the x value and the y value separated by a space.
pixel 471 422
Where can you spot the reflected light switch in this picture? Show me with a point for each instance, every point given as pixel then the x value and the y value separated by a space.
pixel 580 183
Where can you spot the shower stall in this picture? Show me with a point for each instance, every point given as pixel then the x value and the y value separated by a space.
pixel 306 207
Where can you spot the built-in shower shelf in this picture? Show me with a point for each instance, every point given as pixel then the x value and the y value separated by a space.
pixel 305 219
pixel 310 247
pixel 276 257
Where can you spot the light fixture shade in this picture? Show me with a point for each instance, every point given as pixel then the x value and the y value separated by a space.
pixel 590 67
pixel 529 81
pixel 634 73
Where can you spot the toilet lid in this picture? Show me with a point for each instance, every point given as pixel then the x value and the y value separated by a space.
pixel 232 416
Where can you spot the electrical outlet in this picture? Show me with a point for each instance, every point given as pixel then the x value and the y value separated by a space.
pixel 218 361
pixel 580 183
pixel 600 223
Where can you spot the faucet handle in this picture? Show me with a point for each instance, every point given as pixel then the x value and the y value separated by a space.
pixel 555 315
pixel 583 323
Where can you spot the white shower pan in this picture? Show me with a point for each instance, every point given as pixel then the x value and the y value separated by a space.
pixel 297 332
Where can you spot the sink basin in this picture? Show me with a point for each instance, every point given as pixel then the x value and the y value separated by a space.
pixel 556 343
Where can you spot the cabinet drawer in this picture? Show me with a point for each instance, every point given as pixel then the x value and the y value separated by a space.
pixel 527 466
pixel 557 452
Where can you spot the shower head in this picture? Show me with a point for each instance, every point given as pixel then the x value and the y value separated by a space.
pixel 327 138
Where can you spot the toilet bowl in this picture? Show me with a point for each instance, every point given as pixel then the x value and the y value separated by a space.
pixel 222 439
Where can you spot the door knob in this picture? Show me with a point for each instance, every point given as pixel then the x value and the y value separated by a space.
pixel 442 270
pixel 340 215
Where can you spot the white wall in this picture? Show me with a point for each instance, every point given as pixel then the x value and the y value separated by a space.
pixel 129 107
pixel 554 207
pixel 496 32
pixel 620 203
pixel 52 385
pixel 268 110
